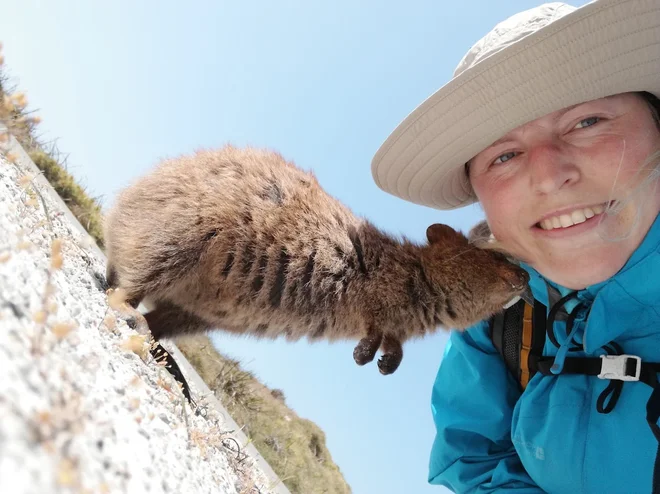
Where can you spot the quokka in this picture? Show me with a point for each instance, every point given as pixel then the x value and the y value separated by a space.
pixel 242 240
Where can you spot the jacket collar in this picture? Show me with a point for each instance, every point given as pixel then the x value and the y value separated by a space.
pixel 635 290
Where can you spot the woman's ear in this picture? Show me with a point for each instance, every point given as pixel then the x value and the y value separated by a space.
pixel 480 233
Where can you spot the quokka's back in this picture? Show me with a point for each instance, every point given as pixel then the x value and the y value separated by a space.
pixel 230 219
pixel 243 240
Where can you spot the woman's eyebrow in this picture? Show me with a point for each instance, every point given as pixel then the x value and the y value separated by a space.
pixel 588 104
pixel 501 140
pixel 558 114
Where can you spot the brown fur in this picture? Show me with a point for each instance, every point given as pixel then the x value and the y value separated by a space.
pixel 242 240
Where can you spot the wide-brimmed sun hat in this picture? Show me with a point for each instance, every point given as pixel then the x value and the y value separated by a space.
pixel 534 63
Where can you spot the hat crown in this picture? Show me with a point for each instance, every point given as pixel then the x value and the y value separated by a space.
pixel 511 31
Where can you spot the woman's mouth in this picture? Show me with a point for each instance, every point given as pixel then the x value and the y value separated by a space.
pixel 573 218
pixel 575 221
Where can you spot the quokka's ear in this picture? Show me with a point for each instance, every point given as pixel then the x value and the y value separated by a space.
pixel 438 233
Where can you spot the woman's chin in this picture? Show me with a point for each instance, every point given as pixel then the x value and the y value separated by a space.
pixel 580 272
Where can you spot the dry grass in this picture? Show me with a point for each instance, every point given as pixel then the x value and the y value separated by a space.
pixel 294 447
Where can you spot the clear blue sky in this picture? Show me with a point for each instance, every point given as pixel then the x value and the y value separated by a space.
pixel 122 84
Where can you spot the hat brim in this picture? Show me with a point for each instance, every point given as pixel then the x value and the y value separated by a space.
pixel 603 48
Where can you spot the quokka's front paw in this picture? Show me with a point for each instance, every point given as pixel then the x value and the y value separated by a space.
pixel 364 352
pixel 388 363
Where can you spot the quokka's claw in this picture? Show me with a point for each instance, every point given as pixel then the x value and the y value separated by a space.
pixel 137 321
pixel 388 363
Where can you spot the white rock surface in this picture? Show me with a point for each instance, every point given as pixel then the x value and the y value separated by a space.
pixel 79 413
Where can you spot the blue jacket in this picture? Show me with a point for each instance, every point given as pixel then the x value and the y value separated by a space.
pixel 551 438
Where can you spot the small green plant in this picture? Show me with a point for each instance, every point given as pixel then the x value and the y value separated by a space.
pixel 278 394
pixel 235 385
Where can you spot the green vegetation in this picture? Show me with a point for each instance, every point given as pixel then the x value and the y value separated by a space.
pixel 294 447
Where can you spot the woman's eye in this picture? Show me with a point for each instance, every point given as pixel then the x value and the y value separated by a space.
pixel 587 122
pixel 504 157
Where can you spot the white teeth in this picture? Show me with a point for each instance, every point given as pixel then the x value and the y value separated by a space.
pixel 578 216
pixel 574 218
pixel 565 220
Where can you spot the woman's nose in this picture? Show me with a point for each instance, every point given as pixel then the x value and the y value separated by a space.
pixel 551 167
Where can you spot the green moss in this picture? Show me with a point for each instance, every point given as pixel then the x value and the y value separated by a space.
pixel 86 209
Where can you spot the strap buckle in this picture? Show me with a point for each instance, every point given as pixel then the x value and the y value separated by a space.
pixel 617 367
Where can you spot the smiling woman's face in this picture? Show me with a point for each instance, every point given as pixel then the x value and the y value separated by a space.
pixel 544 186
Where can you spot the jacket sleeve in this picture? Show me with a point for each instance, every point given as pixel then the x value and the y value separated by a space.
pixel 472 405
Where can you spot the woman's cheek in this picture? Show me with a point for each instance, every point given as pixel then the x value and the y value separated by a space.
pixel 502 205
pixel 510 233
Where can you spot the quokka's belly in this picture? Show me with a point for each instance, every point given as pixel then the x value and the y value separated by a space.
pixel 245 313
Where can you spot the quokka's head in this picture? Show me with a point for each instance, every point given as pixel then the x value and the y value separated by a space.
pixel 477 282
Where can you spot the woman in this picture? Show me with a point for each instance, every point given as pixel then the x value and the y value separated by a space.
pixel 551 123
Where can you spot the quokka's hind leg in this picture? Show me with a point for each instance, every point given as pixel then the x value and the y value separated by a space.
pixel 366 349
pixel 111 276
pixel 168 320
pixel 134 318
pixel 392 355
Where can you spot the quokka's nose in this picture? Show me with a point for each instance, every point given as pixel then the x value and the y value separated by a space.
pixel 523 279
pixel 516 277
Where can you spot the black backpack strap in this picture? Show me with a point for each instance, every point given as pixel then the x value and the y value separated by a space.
pixel 539 313
pixel 506 334
pixel 518 334
pixel 652 416
pixel 497 334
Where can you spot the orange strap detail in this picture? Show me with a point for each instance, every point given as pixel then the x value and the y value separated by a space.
pixel 526 345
